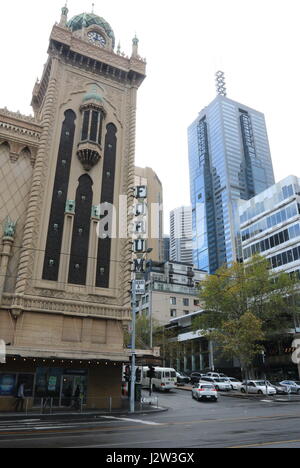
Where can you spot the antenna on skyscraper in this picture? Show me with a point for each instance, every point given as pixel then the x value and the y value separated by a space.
pixel 220 83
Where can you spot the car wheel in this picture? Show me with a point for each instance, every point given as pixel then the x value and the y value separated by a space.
pixel 260 392
pixel 216 400
pixel 298 392
pixel 243 390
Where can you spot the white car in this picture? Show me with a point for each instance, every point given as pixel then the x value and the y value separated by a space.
pixel 204 391
pixel 220 383
pixel 215 375
pixel 235 384
pixel 259 387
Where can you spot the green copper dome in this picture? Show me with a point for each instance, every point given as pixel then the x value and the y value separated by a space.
pixel 88 19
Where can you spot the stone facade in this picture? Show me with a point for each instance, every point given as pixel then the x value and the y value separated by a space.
pixel 54 322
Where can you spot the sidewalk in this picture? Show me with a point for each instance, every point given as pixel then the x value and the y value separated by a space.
pixel 71 414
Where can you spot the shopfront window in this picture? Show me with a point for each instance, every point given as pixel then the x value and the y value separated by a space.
pixel 7 384
pixel 28 381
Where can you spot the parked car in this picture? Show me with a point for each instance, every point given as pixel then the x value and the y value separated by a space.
pixel 235 384
pixel 280 389
pixel 196 377
pixel 182 378
pixel 259 387
pixel 292 386
pixel 215 375
pixel 219 383
pixel 204 391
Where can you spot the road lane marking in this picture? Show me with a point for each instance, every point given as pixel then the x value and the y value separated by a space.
pixel 141 421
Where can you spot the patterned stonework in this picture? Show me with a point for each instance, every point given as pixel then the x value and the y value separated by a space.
pixel 28 155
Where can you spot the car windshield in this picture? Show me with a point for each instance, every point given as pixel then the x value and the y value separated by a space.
pixel 261 383
pixel 206 386
pixel 223 379
pixel 297 382
pixel 233 380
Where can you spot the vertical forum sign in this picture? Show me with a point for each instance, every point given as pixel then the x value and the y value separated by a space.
pixel 2 352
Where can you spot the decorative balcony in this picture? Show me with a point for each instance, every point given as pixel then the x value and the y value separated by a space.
pixel 89 154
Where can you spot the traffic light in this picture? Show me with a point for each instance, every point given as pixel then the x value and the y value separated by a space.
pixel 138 375
pixel 127 373
pixel 151 372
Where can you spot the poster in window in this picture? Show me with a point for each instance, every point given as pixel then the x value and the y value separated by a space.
pixel 7 384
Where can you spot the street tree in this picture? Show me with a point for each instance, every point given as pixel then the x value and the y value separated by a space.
pixel 246 304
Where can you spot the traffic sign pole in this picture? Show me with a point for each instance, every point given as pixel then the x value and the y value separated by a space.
pixel 132 383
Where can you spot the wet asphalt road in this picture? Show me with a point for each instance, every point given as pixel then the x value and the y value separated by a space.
pixel 187 424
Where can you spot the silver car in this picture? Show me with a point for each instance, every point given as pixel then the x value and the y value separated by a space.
pixel 292 386
pixel 204 391
pixel 259 387
pixel 221 383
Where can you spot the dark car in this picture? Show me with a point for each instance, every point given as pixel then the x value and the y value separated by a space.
pixel 182 378
pixel 196 377
pixel 280 389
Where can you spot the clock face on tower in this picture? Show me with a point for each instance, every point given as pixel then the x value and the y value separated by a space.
pixel 96 38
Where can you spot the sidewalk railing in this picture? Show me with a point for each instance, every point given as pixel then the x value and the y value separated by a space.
pixel 51 405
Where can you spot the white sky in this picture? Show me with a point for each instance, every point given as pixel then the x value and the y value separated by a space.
pixel 255 42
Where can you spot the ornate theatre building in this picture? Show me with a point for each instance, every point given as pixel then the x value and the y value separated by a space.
pixel 64 297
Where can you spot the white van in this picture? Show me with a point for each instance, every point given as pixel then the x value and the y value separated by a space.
pixel 165 378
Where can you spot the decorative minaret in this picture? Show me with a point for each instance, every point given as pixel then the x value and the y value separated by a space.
pixel 221 84
pixel 64 16
pixel 7 242
pixel 135 45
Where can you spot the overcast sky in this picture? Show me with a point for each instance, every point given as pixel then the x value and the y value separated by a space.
pixel 255 42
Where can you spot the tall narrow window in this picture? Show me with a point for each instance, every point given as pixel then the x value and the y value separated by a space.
pixel 81 231
pixel 59 197
pixel 107 196
pixel 85 125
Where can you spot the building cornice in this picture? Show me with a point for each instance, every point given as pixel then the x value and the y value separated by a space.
pixel 70 44
pixel 18 304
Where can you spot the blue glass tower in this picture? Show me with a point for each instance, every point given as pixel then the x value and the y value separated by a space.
pixel 229 159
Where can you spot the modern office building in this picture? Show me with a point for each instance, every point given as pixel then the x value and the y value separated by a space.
pixel 270 225
pixel 181 235
pixel 171 291
pixel 229 159
pixel 152 221
pixel 64 299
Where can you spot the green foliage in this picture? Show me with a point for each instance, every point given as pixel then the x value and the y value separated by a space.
pixel 240 337
pixel 142 332
pixel 246 304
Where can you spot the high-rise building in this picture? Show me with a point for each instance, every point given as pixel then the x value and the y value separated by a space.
pixel 229 159
pixel 152 229
pixel 64 298
pixel 181 236
pixel 270 226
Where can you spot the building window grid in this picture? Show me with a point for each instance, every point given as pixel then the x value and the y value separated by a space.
pixel 273 241
pixel 271 221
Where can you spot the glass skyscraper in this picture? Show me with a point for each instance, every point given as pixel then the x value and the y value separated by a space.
pixel 229 159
